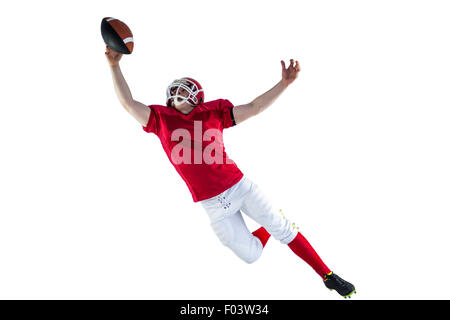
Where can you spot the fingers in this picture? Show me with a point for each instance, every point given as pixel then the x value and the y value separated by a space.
pixel 112 54
pixel 294 65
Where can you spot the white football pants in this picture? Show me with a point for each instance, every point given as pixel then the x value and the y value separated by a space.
pixel 224 211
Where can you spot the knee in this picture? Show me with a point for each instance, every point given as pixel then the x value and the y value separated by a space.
pixel 282 229
pixel 247 247
pixel 251 258
pixel 254 251
pixel 246 254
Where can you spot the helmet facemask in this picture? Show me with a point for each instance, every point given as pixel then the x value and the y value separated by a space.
pixel 184 90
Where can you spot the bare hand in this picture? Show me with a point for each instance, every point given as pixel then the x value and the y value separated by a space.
pixel 290 74
pixel 112 56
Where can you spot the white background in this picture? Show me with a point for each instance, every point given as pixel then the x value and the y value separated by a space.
pixel 356 151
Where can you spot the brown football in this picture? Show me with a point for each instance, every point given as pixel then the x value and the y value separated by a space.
pixel 117 35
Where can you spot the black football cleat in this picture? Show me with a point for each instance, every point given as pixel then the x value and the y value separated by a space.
pixel 334 282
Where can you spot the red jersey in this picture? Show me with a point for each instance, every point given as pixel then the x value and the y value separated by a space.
pixel 194 145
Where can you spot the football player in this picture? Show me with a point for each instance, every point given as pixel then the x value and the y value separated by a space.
pixel 190 130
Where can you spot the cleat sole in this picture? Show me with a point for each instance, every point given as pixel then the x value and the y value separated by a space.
pixel 349 295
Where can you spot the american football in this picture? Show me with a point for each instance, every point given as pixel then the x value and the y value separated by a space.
pixel 117 35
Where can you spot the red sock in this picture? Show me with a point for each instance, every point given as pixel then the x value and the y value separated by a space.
pixel 262 235
pixel 303 249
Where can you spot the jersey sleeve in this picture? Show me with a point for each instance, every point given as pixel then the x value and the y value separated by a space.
pixel 225 108
pixel 153 121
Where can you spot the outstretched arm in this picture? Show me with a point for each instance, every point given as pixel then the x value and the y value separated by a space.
pixel 261 103
pixel 137 109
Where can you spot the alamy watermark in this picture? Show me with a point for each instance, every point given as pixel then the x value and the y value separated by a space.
pixel 211 154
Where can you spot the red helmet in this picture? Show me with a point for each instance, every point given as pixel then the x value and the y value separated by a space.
pixel 194 89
